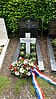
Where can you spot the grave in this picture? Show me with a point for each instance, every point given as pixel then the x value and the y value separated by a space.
pixel 51 36
pixel 27 41
pixel 28 34
pixel 25 66
pixel 23 69
pixel 4 41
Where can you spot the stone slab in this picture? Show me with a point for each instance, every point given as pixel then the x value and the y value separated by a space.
pixel 2 56
pixel 39 56
pixel 51 55
pixel 3 32
pixel 16 55
pixel 3 40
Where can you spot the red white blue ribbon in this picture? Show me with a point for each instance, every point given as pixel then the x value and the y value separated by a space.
pixel 37 87
pixel 35 72
pixel 43 76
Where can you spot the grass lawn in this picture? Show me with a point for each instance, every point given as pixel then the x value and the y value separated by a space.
pixel 19 84
pixel 4 83
pixel 47 88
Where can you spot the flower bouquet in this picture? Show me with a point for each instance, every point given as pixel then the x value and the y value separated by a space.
pixel 22 67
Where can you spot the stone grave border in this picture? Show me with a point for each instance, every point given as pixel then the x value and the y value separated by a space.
pixel 16 54
pixel 51 55
pixel 2 56
pixel 5 42
pixel 39 56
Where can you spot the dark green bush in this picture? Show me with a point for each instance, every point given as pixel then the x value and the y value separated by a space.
pixel 13 10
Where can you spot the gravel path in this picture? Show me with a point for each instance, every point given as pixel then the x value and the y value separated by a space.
pixel 24 94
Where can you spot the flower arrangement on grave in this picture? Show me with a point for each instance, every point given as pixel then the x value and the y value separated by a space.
pixel 25 62
pixel 22 67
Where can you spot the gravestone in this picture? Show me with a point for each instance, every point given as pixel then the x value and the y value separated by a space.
pixel 28 26
pixel 28 34
pixel 4 41
pixel 52 28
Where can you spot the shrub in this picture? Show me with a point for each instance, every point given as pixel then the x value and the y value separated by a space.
pixel 13 10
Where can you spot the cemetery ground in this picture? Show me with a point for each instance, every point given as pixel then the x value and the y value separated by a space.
pixel 12 87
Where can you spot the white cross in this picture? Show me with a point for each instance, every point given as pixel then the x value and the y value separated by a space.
pixel 27 40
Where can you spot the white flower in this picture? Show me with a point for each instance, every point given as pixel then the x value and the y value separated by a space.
pixel 22 70
pixel 20 58
pixel 17 73
pixel 25 61
pixel 28 73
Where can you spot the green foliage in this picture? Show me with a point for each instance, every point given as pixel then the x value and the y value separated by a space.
pixel 13 10
pixel 4 83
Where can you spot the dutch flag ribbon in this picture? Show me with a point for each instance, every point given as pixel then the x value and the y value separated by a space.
pixel 37 87
pixel 43 76
pixel 36 72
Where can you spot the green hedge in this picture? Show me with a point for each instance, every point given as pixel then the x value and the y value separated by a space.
pixel 13 10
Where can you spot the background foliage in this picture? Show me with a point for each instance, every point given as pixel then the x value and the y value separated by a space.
pixel 13 10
